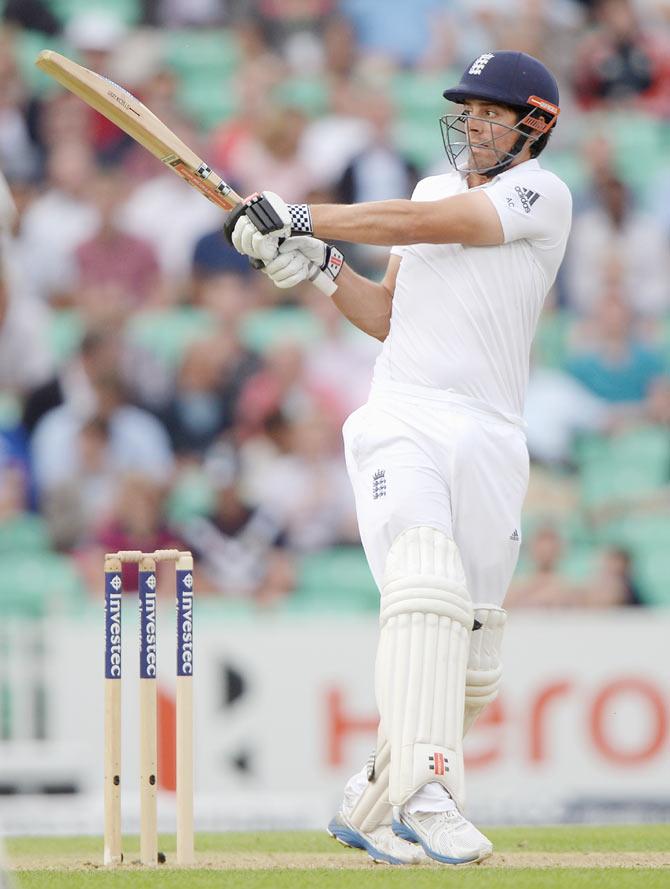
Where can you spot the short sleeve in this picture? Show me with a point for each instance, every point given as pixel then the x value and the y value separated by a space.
pixel 532 207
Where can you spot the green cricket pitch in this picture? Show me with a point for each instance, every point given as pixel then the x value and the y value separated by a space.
pixel 524 858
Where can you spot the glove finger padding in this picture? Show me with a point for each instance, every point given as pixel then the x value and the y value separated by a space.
pixel 250 242
pixel 288 269
pixel 314 249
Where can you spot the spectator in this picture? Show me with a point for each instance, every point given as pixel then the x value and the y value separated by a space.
pixel 339 365
pixel 295 30
pixel 25 353
pixel 658 401
pixel 377 173
pixel 272 154
pixel 543 585
pixel 622 62
pixel 331 142
pixel 34 15
pixel 557 408
pixel 277 387
pixel 194 13
pixel 218 268
pixel 115 271
pixel 19 156
pixel 57 222
pixel 208 384
pixel 96 34
pixel 241 547
pixel 74 384
pixel 259 73
pixel 401 35
pixel 172 217
pixel 305 489
pixel 77 506
pixel 615 365
pixel 613 584
pixel 137 520
pixel 615 242
pixel 138 442
pixel 14 492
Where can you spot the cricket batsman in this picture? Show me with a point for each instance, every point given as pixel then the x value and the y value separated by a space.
pixel 437 457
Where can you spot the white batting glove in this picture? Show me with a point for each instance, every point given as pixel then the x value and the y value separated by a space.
pixel 270 215
pixel 301 259
pixel 249 241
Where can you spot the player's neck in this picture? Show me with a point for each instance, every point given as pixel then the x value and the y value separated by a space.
pixel 475 179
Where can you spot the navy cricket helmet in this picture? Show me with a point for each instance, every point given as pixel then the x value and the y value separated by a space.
pixel 507 78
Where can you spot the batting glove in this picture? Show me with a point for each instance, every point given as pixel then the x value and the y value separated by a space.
pixel 246 239
pixel 270 215
pixel 301 259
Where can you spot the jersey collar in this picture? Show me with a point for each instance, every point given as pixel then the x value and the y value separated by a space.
pixel 531 164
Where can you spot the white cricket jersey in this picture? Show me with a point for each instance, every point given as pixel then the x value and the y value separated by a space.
pixel 463 318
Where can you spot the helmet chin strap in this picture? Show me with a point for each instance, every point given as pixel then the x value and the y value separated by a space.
pixel 514 152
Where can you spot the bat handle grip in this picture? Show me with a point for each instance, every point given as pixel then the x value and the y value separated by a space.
pixel 318 278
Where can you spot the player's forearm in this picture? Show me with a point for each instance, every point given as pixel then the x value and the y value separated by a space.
pixel 376 222
pixel 454 220
pixel 366 304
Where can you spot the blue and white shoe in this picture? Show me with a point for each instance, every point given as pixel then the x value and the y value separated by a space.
pixel 444 836
pixel 382 844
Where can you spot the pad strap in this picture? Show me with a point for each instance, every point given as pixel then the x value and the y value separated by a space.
pixel 484 670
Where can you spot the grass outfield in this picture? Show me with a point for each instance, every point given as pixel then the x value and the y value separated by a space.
pixel 524 858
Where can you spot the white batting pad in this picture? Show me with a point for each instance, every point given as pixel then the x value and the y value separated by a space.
pixel 484 665
pixel 372 807
pixel 426 620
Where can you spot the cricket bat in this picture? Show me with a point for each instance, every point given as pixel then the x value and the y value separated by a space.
pixel 142 125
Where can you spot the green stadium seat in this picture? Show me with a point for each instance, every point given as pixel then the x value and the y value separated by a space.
pixel 638 147
pixel 28 45
pixel 334 580
pixel 638 533
pixel 168 332
pixel 551 340
pixel 579 562
pixel 41 584
pixel 11 409
pixel 310 95
pixel 651 570
pixel 214 54
pixel 263 330
pixel 624 468
pixel 663 343
pixel 647 539
pixel 418 95
pixel 568 165
pixel 208 99
pixel 24 533
pixel 419 141
pixel 191 496
pixel 65 334
pixel 127 11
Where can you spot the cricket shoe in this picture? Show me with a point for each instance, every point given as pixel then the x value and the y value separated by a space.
pixel 381 844
pixel 444 836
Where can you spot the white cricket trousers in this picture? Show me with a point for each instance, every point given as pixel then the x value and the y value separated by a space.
pixel 420 456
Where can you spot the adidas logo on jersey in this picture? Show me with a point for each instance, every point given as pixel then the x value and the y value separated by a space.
pixel 527 197
pixel 480 63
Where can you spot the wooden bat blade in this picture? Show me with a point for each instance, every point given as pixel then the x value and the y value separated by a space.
pixel 141 124
pixel 135 119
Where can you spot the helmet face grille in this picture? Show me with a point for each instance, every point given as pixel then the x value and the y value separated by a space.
pixel 458 145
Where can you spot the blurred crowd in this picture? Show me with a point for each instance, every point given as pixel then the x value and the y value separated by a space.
pixel 156 391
